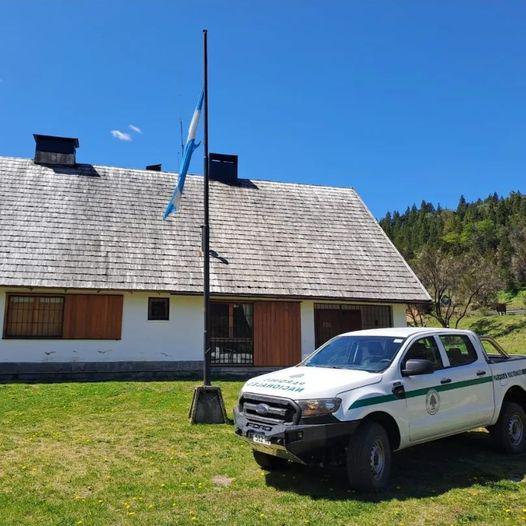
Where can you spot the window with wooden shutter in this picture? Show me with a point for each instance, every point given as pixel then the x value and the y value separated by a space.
pixel 93 316
pixel 71 316
pixel 34 316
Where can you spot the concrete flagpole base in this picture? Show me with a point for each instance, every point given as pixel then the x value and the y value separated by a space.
pixel 208 406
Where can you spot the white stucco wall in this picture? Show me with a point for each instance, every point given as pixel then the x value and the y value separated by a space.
pixel 307 328
pixel 178 339
pixel 399 318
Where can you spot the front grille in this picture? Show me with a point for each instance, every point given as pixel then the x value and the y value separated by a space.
pixel 277 410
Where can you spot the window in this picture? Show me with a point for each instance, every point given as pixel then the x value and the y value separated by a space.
pixel 424 349
pixel 71 316
pixel 364 353
pixel 158 308
pixel 34 316
pixel 459 349
pixel 231 333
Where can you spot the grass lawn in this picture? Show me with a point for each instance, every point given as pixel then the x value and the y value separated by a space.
pixel 509 330
pixel 124 453
pixel 514 300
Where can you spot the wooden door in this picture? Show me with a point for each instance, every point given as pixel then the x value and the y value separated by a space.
pixel 328 323
pixel 277 333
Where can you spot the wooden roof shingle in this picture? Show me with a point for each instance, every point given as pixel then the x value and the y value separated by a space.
pixel 101 227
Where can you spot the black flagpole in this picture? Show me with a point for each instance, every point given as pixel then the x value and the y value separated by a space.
pixel 207 405
pixel 206 227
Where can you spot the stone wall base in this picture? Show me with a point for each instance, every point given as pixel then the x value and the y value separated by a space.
pixel 106 371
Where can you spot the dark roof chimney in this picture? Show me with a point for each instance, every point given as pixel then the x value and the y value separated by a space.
pixel 155 167
pixel 223 167
pixel 55 150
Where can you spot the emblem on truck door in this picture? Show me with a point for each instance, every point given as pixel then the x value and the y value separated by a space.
pixel 432 402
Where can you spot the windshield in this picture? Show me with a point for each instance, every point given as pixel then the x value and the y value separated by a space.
pixel 364 353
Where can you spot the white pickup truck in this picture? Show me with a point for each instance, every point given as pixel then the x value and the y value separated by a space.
pixel 365 394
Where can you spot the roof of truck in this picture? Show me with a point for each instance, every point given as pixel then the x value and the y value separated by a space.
pixel 403 332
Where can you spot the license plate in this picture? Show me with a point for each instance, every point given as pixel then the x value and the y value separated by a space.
pixel 261 439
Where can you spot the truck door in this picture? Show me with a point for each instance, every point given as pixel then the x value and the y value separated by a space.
pixel 424 414
pixel 469 383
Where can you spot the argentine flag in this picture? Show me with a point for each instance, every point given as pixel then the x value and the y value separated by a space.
pixel 175 202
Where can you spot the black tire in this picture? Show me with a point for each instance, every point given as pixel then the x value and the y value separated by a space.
pixel 369 458
pixel 269 462
pixel 509 433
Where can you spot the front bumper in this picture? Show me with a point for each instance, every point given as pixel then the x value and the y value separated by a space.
pixel 296 442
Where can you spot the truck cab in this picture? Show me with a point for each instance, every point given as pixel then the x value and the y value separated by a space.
pixel 365 394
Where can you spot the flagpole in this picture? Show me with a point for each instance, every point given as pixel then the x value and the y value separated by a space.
pixel 206 227
pixel 208 406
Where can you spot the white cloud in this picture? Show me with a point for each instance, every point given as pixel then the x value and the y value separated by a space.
pixel 136 129
pixel 122 136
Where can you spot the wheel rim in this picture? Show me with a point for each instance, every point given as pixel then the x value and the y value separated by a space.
pixel 515 430
pixel 377 459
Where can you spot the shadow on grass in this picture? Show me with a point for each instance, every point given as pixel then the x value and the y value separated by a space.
pixel 421 471
pixel 494 326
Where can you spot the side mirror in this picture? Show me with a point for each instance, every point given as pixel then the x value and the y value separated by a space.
pixel 416 366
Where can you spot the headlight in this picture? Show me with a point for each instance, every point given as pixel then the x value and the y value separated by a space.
pixel 319 407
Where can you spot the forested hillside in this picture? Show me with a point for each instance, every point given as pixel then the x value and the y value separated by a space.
pixel 493 230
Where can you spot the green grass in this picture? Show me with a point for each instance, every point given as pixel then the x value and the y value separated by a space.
pixel 509 330
pixel 513 300
pixel 124 453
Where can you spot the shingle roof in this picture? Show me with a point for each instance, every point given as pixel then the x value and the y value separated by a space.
pixel 101 228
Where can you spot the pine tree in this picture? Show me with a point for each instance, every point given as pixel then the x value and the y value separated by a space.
pixel 493 229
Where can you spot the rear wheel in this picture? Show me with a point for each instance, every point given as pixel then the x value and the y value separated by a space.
pixel 509 433
pixel 269 462
pixel 369 458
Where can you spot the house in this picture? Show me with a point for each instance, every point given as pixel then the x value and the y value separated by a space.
pixel 92 280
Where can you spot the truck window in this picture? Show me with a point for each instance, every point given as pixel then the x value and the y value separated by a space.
pixel 459 349
pixel 424 349
pixel 365 353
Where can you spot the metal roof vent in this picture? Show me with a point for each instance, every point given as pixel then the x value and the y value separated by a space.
pixel 53 150
pixel 223 167
pixel 155 167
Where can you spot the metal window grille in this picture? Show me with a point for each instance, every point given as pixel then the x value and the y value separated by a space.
pixel 232 351
pixel 34 316
pixel 231 334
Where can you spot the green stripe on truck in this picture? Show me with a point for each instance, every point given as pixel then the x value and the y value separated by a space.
pixel 373 400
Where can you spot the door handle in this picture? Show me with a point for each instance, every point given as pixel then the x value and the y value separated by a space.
pixel 399 390
pixel 445 381
pixel 481 373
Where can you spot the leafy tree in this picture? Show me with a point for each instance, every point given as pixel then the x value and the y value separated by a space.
pixel 455 282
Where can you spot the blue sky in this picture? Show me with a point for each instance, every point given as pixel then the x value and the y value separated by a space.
pixel 402 100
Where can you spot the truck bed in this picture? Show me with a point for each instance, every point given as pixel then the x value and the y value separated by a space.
pixel 497 358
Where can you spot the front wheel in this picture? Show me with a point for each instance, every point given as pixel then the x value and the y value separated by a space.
pixel 509 433
pixel 369 458
pixel 269 462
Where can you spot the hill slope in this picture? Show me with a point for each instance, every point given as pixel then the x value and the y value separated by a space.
pixel 494 227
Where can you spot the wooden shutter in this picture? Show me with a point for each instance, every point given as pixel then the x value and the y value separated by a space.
pixel 93 317
pixel 277 333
